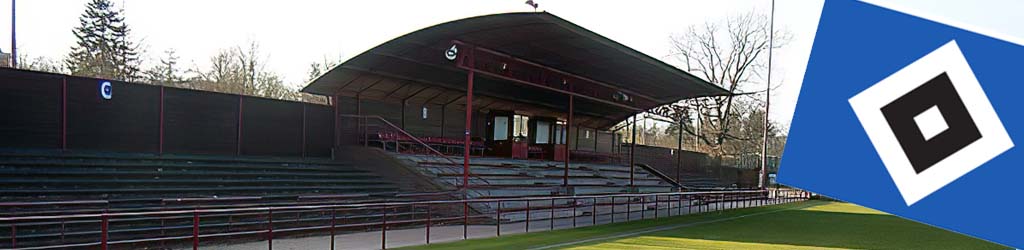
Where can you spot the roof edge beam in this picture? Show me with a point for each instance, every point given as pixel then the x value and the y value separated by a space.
pixel 580 83
pixel 504 72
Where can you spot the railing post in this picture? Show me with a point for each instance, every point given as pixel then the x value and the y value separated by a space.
pixel 429 215
pixel 195 229
pixel 689 204
pixel 465 220
pixel 613 209
pixel 334 221
pixel 527 215
pixel 384 229
pixel 643 207
pixel 104 232
pixel 551 219
pixel 679 206
pixel 270 228
pixel 629 207
pixel 593 212
pixel 657 206
pixel 721 203
pixel 573 212
pixel 498 232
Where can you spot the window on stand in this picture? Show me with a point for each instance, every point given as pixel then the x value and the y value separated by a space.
pixel 519 129
pixel 543 133
pixel 500 128
pixel 560 132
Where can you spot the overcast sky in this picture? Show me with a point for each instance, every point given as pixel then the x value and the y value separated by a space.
pixel 294 33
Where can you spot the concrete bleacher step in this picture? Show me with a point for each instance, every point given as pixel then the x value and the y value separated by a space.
pixel 145 177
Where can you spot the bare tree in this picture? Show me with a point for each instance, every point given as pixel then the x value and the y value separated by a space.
pixel 167 71
pixel 242 70
pixel 316 69
pixel 40 63
pixel 733 55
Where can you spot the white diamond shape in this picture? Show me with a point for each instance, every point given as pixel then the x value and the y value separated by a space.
pixel 915 186
pixel 931 122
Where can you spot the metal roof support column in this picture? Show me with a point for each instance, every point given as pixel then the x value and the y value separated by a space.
pixel 568 123
pixel 337 133
pixel 632 150
pixel 679 154
pixel 469 62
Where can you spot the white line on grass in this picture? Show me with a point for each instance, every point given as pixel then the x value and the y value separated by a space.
pixel 663 228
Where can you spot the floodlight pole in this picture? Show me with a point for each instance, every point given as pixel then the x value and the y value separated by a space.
pixel 762 177
pixel 14 40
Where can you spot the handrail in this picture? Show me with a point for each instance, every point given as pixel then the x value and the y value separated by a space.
pixel 364 205
pixel 417 140
pixel 661 175
pixel 400 130
pixel 699 202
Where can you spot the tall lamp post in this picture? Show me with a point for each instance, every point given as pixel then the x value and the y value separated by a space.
pixel 14 41
pixel 762 178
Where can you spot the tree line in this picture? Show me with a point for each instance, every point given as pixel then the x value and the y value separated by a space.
pixel 730 53
pixel 104 48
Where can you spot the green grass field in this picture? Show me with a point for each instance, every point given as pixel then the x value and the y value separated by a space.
pixel 805 225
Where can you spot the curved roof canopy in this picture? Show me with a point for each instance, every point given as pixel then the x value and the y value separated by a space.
pixel 413 67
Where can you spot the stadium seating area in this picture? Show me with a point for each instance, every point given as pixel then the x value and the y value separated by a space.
pixel 41 183
pixel 146 180
pixel 506 178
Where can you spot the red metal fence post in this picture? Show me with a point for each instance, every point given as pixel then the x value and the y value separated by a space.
pixel 679 205
pixel 629 207
pixel 64 114
pixel 270 228
pixel 574 212
pixel 161 148
pixel 104 224
pixel 552 216
pixel 465 219
pixel 527 216
pixel 429 215
pixel 384 229
pixel 498 231
pixel 304 130
pixel 643 207
pixel 238 145
pixel 334 219
pixel 613 209
pixel 657 206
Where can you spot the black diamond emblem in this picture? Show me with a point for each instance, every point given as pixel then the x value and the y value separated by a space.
pixel 938 92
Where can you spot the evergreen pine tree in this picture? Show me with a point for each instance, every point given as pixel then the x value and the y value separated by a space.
pixel 104 48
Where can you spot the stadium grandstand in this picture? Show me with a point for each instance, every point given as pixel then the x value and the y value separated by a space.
pixel 493 121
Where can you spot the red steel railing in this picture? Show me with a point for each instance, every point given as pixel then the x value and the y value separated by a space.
pixel 403 136
pixel 273 221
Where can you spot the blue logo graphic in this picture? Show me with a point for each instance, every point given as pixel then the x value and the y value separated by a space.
pixel 106 90
pixel 911 117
